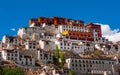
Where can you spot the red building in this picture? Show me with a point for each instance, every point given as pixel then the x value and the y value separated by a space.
pixel 95 27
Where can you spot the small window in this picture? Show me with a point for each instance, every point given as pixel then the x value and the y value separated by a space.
pixel 76 65
pixel 33 47
pixel 102 62
pixel 112 62
pixel 72 60
pixel 80 61
pixel 86 61
pixel 79 65
pixel 83 61
pixel 75 60
pixel 83 65
pixel 30 46
pixel 96 62
pixel 73 65
pixel 33 43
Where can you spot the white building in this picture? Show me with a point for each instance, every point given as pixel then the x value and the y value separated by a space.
pixel 74 45
pixel 47 36
pixel 101 40
pixel 62 28
pixel 27 57
pixel 30 32
pixel 1 45
pixel 26 60
pixel 91 66
pixel 0 55
pixel 45 56
pixel 10 55
pixel 31 45
pixel 10 39
pixel 27 32
pixel 47 45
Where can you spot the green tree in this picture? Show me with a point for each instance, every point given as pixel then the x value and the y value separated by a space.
pixel 14 71
pixel 96 52
pixel 56 56
pixel 72 72
pixel 62 58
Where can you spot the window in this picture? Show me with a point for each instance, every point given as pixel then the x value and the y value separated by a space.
pixel 102 62
pixel 34 47
pixel 83 65
pixel 89 61
pixel 30 46
pixel 79 60
pixel 64 44
pixel 8 54
pixel 83 61
pixel 41 55
pixel 12 54
pixel 65 48
pixel 90 65
pixel 86 61
pixel 88 70
pixel 68 44
pixel 76 68
pixel 33 43
pixel 112 62
pixel 75 60
pixel 15 51
pixel 76 65
pixel 96 62
pixel 79 65
pixel 31 59
pixel 30 43
pixel 73 65
pixel 15 54
pixel 20 55
pixel 99 62
pixel 72 60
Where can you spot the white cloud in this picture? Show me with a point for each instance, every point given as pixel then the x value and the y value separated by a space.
pixel 112 35
pixel 13 29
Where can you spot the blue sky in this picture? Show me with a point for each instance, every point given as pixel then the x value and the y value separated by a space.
pixel 16 13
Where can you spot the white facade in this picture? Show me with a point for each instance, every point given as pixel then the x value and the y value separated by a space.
pixel 0 55
pixel 47 45
pixel 46 36
pixel 18 58
pixel 91 66
pixel 54 72
pixel 45 56
pixel 1 45
pixel 9 39
pixel 31 45
pixel 26 60
pixel 75 46
pixel 25 33
pixel 62 28
pixel 30 32
pixel 101 40
pixel 10 55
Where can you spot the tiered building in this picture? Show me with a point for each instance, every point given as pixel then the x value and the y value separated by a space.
pixel 36 43
pixel 68 34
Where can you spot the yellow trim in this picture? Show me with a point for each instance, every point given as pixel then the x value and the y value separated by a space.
pixel 65 33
